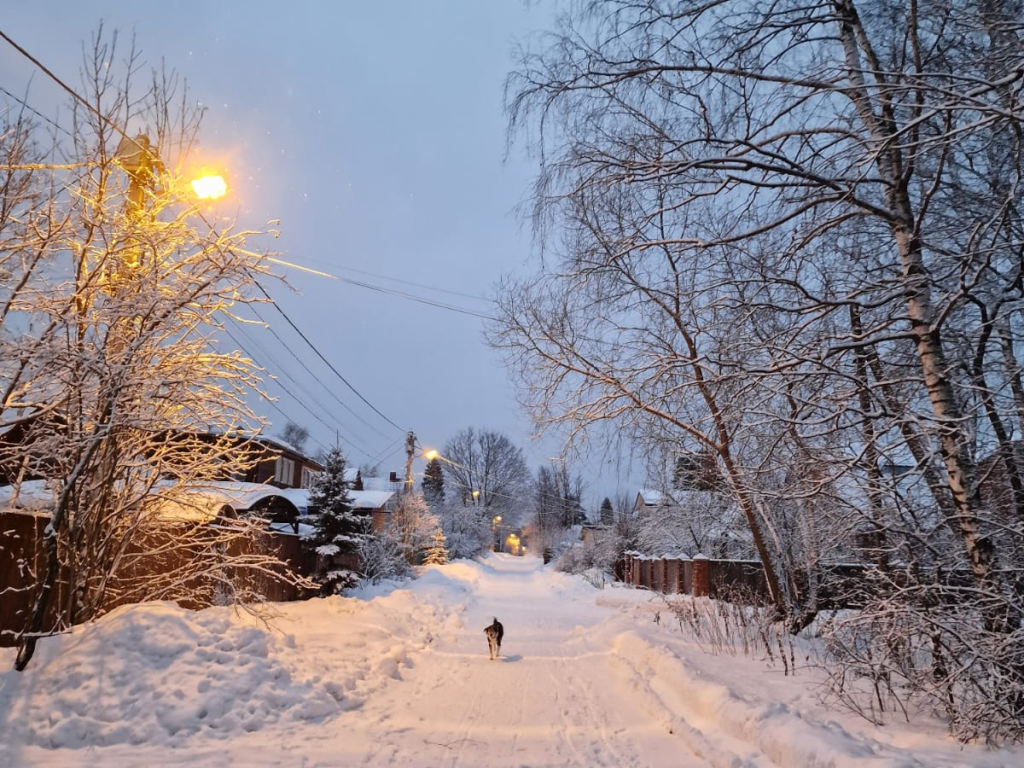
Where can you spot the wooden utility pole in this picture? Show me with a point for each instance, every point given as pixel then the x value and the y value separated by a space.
pixel 410 451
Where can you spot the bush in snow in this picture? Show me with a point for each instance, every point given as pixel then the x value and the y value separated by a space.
pixel 412 525
pixel 383 557
pixel 338 533
pixel 466 528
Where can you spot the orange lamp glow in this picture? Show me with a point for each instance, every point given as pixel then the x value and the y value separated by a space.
pixel 210 187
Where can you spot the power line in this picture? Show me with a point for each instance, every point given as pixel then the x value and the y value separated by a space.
pixel 382 289
pixel 300 402
pixel 398 280
pixel 265 355
pixel 74 94
pixel 37 113
pixel 321 356
pixel 310 372
pixel 418 299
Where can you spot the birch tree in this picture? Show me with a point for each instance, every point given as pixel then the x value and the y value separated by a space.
pixel 788 234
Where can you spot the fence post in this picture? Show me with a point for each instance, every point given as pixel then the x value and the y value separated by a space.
pixel 701 576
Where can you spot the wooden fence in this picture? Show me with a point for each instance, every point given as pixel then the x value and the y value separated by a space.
pixel 840 586
pixel 22 559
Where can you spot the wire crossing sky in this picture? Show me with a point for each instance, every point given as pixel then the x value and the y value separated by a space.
pixel 372 138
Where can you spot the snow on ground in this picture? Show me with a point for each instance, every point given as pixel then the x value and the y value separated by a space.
pixel 399 675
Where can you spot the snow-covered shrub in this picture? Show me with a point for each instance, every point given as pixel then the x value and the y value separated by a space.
pixel 579 558
pixel 382 557
pixel 898 654
pixel 745 625
pixel 412 524
pixel 467 529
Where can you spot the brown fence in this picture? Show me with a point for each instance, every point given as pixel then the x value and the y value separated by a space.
pixel 22 560
pixel 841 586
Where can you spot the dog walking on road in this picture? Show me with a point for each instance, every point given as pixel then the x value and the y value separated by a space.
pixel 494 634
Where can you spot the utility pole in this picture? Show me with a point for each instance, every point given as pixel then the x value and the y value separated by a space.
pixel 410 451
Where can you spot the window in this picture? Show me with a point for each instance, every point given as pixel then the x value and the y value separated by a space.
pixel 308 476
pixel 284 471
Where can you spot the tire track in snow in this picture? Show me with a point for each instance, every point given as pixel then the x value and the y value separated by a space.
pixel 546 703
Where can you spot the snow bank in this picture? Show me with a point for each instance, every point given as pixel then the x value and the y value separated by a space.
pixel 159 674
pixel 398 674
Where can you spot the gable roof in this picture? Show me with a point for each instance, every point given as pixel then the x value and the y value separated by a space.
pixel 370 499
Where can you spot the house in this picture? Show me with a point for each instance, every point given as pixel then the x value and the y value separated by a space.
pixel 375 504
pixel 279 464
pixel 271 486
pixel 27 452
pixel 648 500
pixel 595 533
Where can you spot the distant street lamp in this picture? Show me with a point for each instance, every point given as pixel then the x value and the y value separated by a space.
pixel 432 454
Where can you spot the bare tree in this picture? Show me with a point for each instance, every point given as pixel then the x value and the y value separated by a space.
pixel 486 469
pixel 295 435
pixel 789 236
pixel 122 398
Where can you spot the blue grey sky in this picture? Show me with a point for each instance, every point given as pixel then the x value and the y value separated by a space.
pixel 374 132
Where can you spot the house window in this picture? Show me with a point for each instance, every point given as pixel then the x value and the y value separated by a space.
pixel 308 476
pixel 284 472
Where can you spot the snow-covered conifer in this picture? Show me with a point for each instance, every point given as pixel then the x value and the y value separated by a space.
pixel 433 483
pixel 337 531
pixel 437 554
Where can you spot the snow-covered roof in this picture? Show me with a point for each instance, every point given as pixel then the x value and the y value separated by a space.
pixel 370 499
pixel 202 501
pixel 652 498
pixel 380 484
pixel 32 495
pixel 205 500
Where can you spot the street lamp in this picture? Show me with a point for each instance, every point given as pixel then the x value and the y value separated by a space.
pixel 210 187
pixel 139 158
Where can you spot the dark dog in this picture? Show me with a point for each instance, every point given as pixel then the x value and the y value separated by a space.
pixel 494 634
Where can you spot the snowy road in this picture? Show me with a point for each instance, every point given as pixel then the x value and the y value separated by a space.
pixel 399 676
pixel 556 697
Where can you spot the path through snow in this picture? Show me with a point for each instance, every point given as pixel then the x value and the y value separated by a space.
pixel 400 676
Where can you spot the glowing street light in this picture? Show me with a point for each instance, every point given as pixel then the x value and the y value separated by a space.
pixel 431 455
pixel 210 187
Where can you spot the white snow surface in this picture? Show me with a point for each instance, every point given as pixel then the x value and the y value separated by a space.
pixel 398 675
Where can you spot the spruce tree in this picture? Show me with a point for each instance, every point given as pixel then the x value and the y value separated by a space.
pixel 607 512
pixel 337 531
pixel 433 483
pixel 437 554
